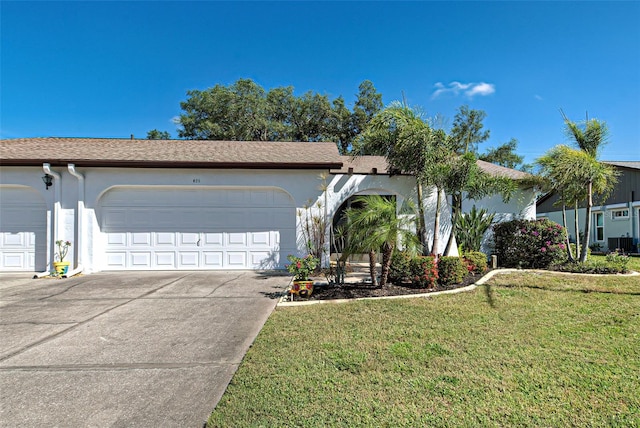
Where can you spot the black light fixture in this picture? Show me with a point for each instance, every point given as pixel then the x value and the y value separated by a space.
pixel 48 180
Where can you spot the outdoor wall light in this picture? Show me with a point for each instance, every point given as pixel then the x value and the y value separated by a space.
pixel 48 180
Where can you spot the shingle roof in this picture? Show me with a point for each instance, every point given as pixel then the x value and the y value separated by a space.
pixel 501 171
pixel 625 164
pixel 168 153
pixel 363 165
pixel 369 164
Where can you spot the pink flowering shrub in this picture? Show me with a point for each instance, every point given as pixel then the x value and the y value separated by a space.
pixel 529 243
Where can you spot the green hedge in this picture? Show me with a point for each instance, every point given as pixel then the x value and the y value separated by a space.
pixel 475 261
pixel 450 270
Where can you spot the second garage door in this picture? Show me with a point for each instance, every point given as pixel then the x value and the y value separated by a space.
pixel 22 229
pixel 172 228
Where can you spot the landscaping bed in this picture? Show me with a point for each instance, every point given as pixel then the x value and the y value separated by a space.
pixel 356 290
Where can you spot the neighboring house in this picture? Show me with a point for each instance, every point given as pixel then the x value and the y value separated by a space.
pixel 615 221
pixel 184 204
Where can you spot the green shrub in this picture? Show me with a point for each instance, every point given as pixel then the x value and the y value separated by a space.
pixel 421 271
pixel 611 265
pixel 619 261
pixel 400 269
pixel 529 243
pixel 475 261
pixel 451 270
pixel 424 272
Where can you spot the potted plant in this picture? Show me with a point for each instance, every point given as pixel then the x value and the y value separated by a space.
pixel 301 268
pixel 61 267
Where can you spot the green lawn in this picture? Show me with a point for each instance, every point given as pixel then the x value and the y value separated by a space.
pixel 524 350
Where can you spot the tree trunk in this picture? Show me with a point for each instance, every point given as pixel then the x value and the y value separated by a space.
pixel 387 252
pixel 456 207
pixel 422 228
pixel 575 215
pixel 436 225
pixel 372 268
pixel 564 224
pixel 587 224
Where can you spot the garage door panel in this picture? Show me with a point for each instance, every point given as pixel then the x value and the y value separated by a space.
pixel 237 239
pixel 197 229
pixel 189 259
pixel 140 259
pixel 141 239
pixel 212 259
pixel 213 239
pixel 164 218
pixel 117 260
pixel 114 219
pixel 139 218
pixel 166 239
pixel 14 260
pixel 261 198
pixel 18 240
pixel 260 259
pixel 117 239
pixel 188 239
pixel 260 238
pixel 236 259
pixel 165 259
pixel 238 198
pixel 23 219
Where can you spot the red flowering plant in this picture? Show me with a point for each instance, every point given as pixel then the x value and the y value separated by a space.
pixel 302 267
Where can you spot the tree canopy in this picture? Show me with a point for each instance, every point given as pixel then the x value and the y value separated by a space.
pixel 154 134
pixel 245 111
pixel 505 155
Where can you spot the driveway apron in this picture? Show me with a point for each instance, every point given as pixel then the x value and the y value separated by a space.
pixel 144 349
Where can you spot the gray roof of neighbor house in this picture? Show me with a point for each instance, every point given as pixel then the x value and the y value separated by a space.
pixel 625 164
pixel 168 153
pixel 379 165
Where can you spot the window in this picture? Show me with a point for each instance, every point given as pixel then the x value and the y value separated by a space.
pixel 620 214
pixel 599 229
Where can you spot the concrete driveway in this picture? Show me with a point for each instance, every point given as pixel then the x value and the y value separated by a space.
pixel 143 349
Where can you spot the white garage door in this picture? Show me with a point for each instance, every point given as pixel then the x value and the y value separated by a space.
pixel 23 234
pixel 170 228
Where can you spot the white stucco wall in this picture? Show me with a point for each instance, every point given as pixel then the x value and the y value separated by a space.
pixel 305 187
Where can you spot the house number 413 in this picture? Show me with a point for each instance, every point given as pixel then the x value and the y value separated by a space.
pixel 196 180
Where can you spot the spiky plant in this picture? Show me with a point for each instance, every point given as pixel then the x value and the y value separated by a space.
pixel 471 227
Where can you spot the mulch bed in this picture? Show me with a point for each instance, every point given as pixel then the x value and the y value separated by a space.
pixel 363 289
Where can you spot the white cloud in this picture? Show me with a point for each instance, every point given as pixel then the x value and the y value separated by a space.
pixel 538 97
pixel 482 89
pixel 175 120
pixel 468 89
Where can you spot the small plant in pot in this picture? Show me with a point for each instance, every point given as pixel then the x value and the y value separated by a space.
pixel 302 268
pixel 61 267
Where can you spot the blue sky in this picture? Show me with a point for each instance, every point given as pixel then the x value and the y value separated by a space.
pixel 111 69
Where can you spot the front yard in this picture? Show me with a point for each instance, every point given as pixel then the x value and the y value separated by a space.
pixel 524 350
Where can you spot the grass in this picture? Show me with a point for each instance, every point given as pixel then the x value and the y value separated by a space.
pixel 524 350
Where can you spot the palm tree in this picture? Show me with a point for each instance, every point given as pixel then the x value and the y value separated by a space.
pixel 590 136
pixel 404 138
pixel 576 175
pixel 376 225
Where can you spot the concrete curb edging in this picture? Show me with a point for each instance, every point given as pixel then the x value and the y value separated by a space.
pixel 481 281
